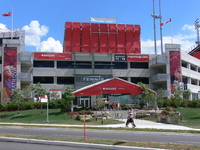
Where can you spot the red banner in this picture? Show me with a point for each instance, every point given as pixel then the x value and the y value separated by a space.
pixel 85 37
pixel 138 58
pixel 121 39
pixel 112 38
pixel 76 40
pixel 175 70
pixel 102 38
pixel 9 77
pixel 52 56
pixel 68 37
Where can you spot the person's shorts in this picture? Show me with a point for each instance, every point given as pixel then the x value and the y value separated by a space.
pixel 130 120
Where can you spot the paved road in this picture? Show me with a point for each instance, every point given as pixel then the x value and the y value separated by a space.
pixel 162 137
pixel 29 146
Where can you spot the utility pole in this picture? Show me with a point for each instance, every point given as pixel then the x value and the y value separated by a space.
pixel 197 26
pixel 154 19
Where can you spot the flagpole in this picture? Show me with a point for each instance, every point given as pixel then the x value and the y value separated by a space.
pixel 12 25
pixel 161 40
pixel 171 31
pixel 154 21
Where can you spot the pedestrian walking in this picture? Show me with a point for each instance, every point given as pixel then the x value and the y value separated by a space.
pixel 130 118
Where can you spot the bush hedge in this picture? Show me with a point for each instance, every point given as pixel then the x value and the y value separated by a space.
pixel 25 105
pixel 61 103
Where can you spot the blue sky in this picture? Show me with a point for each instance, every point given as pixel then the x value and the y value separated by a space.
pixel 44 20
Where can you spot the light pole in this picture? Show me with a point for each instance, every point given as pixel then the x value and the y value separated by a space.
pixel 154 18
pixel 197 26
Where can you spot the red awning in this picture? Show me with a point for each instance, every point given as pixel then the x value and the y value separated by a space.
pixel 109 86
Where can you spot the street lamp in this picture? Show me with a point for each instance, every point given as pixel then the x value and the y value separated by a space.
pixel 197 26
pixel 154 18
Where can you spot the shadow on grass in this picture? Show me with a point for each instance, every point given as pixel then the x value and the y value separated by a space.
pixel 6 115
pixel 195 118
pixel 61 112
pixel 119 143
pixel 19 117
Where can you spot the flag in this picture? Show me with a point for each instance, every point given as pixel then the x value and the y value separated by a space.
pixel 166 22
pixel 8 14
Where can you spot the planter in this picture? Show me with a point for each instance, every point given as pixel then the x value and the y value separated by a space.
pixel 172 120
pixel 87 117
pixel 167 119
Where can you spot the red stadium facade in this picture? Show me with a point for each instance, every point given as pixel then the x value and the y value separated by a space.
pixel 102 38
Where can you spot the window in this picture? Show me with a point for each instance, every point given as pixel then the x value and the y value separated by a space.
pixel 144 80
pixel 102 65
pixel 193 81
pixel 124 78
pixel 184 64
pixel 192 67
pixel 139 65
pixel 49 64
pixel 83 65
pixel 65 80
pixel 120 65
pixel 65 64
pixel 43 80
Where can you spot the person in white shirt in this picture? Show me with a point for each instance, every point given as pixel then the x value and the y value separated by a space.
pixel 130 118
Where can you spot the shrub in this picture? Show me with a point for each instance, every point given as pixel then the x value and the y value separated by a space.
pixel 123 106
pixel 166 102
pixel 78 117
pixel 165 112
pixel 88 112
pixel 183 103
pixel 140 115
pixel 194 103
pixel 12 106
pixel 53 104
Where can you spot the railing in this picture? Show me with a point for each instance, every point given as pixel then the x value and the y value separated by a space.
pixel 25 58
pixel 158 60
pixel 27 76
pixel 160 77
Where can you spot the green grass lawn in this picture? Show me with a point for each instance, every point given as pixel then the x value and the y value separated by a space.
pixel 190 117
pixel 55 116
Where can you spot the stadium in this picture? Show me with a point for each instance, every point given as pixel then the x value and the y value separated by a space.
pixel 95 53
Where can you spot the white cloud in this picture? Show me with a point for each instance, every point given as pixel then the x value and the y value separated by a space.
pixel 50 46
pixel 187 41
pixel 189 27
pixel 3 28
pixel 33 34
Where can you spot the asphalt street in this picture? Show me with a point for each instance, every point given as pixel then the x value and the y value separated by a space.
pixel 169 137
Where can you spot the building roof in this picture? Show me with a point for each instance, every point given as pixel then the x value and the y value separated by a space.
pixel 196 49
pixel 113 86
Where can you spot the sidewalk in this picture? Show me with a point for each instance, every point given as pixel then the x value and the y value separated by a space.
pixel 151 125
pixel 142 124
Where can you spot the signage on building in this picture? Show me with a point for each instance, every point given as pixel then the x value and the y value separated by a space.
pixel 9 76
pixel 83 80
pixel 138 58
pixel 175 70
pixel 120 57
pixel 92 79
pixel 52 56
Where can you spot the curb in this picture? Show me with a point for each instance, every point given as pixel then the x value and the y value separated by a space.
pixel 73 144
